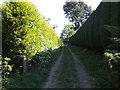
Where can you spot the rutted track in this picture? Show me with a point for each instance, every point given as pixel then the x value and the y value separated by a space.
pixel 84 78
pixel 81 74
pixel 51 79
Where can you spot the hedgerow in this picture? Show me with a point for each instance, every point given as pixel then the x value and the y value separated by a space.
pixel 92 33
pixel 25 32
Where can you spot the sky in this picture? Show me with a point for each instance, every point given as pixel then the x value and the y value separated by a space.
pixel 53 9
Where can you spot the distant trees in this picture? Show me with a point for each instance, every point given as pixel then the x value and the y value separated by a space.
pixel 25 32
pixel 77 12
pixel 67 32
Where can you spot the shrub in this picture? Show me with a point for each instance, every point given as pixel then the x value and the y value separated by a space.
pixel 25 32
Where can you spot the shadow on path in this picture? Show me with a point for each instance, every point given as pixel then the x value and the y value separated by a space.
pixel 84 78
pixel 51 79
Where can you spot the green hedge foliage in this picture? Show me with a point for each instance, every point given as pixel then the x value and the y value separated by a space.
pixel 92 34
pixel 25 32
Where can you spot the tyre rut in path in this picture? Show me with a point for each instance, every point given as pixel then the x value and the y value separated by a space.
pixel 51 79
pixel 84 78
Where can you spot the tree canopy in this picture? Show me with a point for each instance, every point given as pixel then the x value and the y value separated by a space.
pixel 77 12
pixel 25 32
pixel 67 32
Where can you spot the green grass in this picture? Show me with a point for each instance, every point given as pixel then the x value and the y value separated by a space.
pixel 95 65
pixel 27 80
pixel 34 78
pixel 67 74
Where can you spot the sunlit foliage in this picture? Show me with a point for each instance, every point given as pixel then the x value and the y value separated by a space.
pixel 67 32
pixel 25 32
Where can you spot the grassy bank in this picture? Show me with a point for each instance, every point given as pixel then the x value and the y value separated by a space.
pixel 67 76
pixel 95 65
pixel 34 78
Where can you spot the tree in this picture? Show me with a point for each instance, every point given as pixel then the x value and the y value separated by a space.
pixel 55 26
pixel 77 12
pixel 47 19
pixel 24 33
pixel 67 32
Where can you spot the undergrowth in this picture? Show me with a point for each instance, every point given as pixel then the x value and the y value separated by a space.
pixel 36 77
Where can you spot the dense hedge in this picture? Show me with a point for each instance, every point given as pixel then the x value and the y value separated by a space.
pixel 92 34
pixel 25 32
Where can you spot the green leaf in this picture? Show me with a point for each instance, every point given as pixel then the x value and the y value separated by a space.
pixel 8 59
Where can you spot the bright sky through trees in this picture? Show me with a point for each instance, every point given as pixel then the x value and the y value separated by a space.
pixel 54 9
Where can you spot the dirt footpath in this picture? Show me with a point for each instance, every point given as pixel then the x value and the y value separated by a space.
pixel 51 81
pixel 84 78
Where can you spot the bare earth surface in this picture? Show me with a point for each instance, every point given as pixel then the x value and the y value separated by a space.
pixel 82 75
pixel 51 81
pixel 84 78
